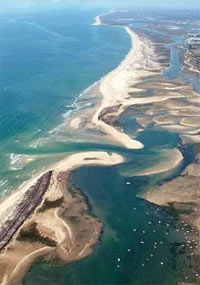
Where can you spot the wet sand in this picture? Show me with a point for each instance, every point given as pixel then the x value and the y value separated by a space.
pixel 173 160
pixel 114 89
pixel 49 222
pixel 116 86
pixel 49 229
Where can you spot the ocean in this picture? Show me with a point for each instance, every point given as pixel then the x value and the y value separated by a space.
pixel 48 59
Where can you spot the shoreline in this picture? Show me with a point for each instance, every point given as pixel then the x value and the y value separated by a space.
pixel 10 204
pixel 180 198
pixel 76 160
pixel 52 228
pixel 175 158
pixel 111 98
pixel 98 21
pixel 115 90
pixel 108 98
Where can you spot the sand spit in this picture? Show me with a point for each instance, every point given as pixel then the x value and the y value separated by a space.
pixel 10 203
pixel 55 231
pixel 115 87
pixel 173 160
pixel 98 20
pixel 58 226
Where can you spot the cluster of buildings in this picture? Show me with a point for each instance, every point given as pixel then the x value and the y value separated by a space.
pixel 192 43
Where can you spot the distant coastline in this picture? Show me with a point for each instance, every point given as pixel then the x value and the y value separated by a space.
pixel 98 21
pixel 48 230
pixel 7 211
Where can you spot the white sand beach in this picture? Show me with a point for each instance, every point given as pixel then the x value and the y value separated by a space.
pixel 116 86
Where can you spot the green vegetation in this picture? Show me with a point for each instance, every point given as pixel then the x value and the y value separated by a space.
pixel 51 204
pixel 177 212
pixel 87 158
pixel 173 211
pixel 32 235
pixel 74 219
pixel 54 262
pixel 79 195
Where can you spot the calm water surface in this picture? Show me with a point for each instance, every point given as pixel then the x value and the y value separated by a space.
pixel 47 60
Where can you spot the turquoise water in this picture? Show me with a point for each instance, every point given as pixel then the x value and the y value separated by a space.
pixel 128 220
pixel 122 212
pixel 47 60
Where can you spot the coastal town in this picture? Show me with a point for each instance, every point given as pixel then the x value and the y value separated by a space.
pixel 192 44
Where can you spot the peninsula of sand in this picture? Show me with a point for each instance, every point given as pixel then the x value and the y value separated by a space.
pixel 49 217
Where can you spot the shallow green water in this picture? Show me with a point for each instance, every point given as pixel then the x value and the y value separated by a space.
pixel 140 244
pixel 142 236
pixel 141 252
pixel 48 59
